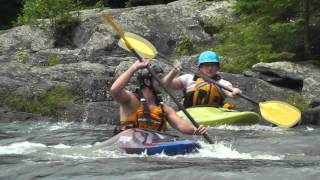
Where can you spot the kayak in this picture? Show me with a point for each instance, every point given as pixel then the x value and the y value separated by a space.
pixel 211 116
pixel 138 141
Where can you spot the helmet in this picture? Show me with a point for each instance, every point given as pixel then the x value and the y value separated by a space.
pixel 145 74
pixel 208 56
pixel 157 69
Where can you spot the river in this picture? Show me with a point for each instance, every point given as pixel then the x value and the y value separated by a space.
pixel 62 150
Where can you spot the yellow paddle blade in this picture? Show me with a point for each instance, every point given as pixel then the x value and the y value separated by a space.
pixel 108 19
pixel 280 113
pixel 142 46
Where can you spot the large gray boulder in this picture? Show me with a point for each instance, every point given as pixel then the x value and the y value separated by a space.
pixel 93 60
pixel 162 25
pixel 302 77
pixel 24 37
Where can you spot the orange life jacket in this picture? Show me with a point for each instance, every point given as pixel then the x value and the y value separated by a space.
pixel 145 118
pixel 204 93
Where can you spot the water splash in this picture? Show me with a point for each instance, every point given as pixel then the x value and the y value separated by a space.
pixel 21 148
pixel 85 114
pixel 309 128
pixel 224 150
pixel 59 125
pixel 219 150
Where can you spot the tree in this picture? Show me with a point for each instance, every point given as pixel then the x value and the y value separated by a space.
pixel 266 31
pixel 306 16
pixel 9 10
pixel 57 16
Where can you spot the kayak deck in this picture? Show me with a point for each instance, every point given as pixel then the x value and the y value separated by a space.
pixel 169 148
pixel 137 141
pixel 211 116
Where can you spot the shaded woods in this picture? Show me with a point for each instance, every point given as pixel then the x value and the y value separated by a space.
pixel 10 9
pixel 269 31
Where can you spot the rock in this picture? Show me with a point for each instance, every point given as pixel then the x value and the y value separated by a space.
pixel 94 60
pixel 103 112
pixel 299 77
pixel 216 16
pixel 315 103
pixel 311 116
pixel 92 112
pixel 8 115
pixel 257 90
pixel 64 56
pixel 24 37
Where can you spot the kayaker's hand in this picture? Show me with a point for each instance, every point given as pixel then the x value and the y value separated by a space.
pixel 236 92
pixel 139 65
pixel 177 66
pixel 200 130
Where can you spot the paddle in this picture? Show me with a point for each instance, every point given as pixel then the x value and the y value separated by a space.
pixel 276 112
pixel 108 19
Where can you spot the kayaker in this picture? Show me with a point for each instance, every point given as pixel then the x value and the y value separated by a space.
pixel 144 108
pixel 197 91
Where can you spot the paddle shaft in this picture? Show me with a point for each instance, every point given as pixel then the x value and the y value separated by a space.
pixel 155 76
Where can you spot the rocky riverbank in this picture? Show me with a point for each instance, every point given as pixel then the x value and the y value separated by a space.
pixel 32 62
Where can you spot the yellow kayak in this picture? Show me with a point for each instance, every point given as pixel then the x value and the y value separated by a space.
pixel 211 116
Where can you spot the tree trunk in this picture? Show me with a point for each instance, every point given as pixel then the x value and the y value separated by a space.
pixel 306 15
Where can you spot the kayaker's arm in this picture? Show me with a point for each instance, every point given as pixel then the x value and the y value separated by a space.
pixel 176 122
pixel 233 93
pixel 118 91
pixel 171 80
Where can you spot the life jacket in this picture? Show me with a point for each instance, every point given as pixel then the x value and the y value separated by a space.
pixel 144 117
pixel 203 93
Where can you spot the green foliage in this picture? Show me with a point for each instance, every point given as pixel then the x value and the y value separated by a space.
pixel 242 46
pixel 201 1
pixel 53 60
pixel 130 3
pixel 277 10
pixel 47 103
pixel 22 55
pixel 54 15
pixel 316 62
pixel 55 10
pixel 184 46
pixel 90 4
pixel 10 9
pixel 299 101
pixel 8 12
pixel 286 36
pixel 99 4
pixel 267 31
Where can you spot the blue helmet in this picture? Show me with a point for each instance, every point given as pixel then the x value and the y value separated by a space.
pixel 208 56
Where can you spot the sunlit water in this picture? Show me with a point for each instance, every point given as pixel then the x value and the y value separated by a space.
pixel 47 150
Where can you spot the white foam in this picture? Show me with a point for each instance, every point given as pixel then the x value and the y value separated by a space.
pixel 309 128
pixel 59 125
pixel 84 152
pixel 21 148
pixel 220 150
pixel 60 146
